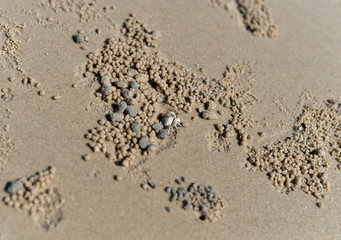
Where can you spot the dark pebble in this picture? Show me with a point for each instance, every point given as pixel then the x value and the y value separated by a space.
pixel 77 38
pixel 134 85
pixel 14 186
pixel 162 134
pixel 144 142
pixel 116 117
pixel 136 126
pixel 157 127
pixel 130 110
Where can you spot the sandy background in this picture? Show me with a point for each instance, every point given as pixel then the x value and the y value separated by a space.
pixel 305 56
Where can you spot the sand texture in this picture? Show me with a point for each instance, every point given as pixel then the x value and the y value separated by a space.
pixel 196 119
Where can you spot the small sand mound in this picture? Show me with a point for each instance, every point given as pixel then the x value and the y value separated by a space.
pixel 38 197
pixel 256 17
pixel 203 199
pixel 302 160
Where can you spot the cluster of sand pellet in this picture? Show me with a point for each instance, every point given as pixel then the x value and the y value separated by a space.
pixel 256 17
pixel 144 88
pixel 38 197
pixel 302 160
pixel 86 10
pixel 200 198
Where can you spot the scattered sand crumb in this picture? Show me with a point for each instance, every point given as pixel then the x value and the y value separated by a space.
pixel 6 147
pixel 215 3
pixel 86 10
pixel 6 94
pixel 5 112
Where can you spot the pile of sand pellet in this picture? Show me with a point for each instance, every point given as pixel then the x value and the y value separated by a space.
pixel 201 198
pixel 38 197
pixel 302 160
pixel 147 91
pixel 256 17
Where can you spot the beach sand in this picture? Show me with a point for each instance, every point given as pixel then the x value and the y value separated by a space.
pixel 275 61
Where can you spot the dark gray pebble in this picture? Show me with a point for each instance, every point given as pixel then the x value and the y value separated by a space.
pixel 173 197
pixel 131 111
pixel 14 186
pixel 144 142
pixel 106 90
pixel 157 127
pixel 186 204
pixel 77 38
pixel 162 134
pixel 116 117
pixel 136 126
pixel 121 107
pixel 134 85
pixel 201 189
pixel 180 196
